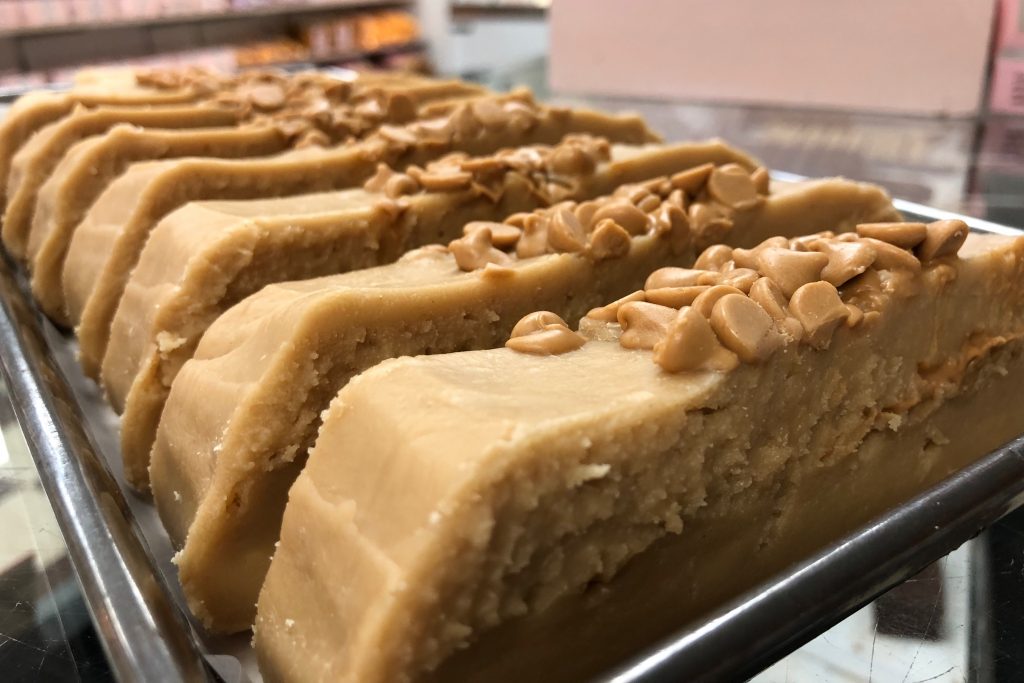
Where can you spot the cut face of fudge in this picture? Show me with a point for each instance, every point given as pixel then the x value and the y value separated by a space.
pixel 107 244
pixel 509 514
pixel 33 111
pixel 35 161
pixel 92 164
pixel 241 414
pixel 205 257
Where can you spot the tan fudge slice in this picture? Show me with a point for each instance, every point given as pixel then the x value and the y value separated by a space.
pixel 449 495
pixel 35 161
pixel 37 109
pixel 242 413
pixel 92 164
pixel 205 257
pixel 107 243
pixel 307 118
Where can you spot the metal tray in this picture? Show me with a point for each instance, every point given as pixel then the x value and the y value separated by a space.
pixel 122 555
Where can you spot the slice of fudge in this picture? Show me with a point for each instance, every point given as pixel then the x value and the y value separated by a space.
pixel 207 256
pixel 107 244
pixel 32 111
pixel 548 508
pixel 242 413
pixel 93 163
pixel 38 157
pixel 306 117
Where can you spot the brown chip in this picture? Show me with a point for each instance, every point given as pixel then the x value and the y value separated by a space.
pixel 672 220
pixel 676 297
pixel 744 328
pixel 820 311
pixel 714 257
pixel 731 185
pixel 740 278
pixel 623 212
pixel 503 235
pixel 544 333
pixel 610 313
pixel 692 179
pixel 944 239
pixel 534 241
pixel 769 297
pixel 681 277
pixel 400 184
pixel 691 344
pixel 565 234
pixel 705 301
pixel 643 324
pixel 608 240
pixel 846 260
pixel 856 316
pixel 400 108
pixel 569 159
pixel 267 96
pixel 902 235
pixel 762 179
pixel 890 257
pixel 789 269
pixel 445 181
pixel 475 251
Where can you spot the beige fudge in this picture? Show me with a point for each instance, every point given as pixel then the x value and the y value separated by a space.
pixel 33 111
pixel 311 114
pixel 35 161
pixel 555 513
pixel 207 256
pixel 107 244
pixel 93 163
pixel 242 413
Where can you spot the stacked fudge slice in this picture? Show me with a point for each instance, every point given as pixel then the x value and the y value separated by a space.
pixel 228 277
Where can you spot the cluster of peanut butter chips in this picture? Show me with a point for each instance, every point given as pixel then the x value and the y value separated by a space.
pixel 692 208
pixel 742 305
pixel 310 108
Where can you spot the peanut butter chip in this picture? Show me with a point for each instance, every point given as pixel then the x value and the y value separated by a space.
pixel 890 257
pixel 267 96
pixel 769 297
pixel 691 344
pixel 740 278
pixel 676 297
pixel 705 301
pixel 625 214
pixel 643 324
pixel 400 108
pixel 791 269
pixel 714 257
pixel 400 184
pixel 762 179
pixel 571 160
pixel 846 260
pixel 585 213
pixel 608 240
pixel 398 134
pixel 820 311
pixel 745 328
pixel 565 233
pixel 445 181
pixel 708 221
pixel 475 251
pixel 544 333
pixel 503 236
pixel 610 313
pixel 731 185
pixel 379 180
pixel 692 179
pixel 534 241
pixel 681 277
pixel 902 235
pixel 672 220
pixel 489 113
pixel 944 239
pixel 649 203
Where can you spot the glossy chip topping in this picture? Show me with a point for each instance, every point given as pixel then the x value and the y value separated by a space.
pixel 743 305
